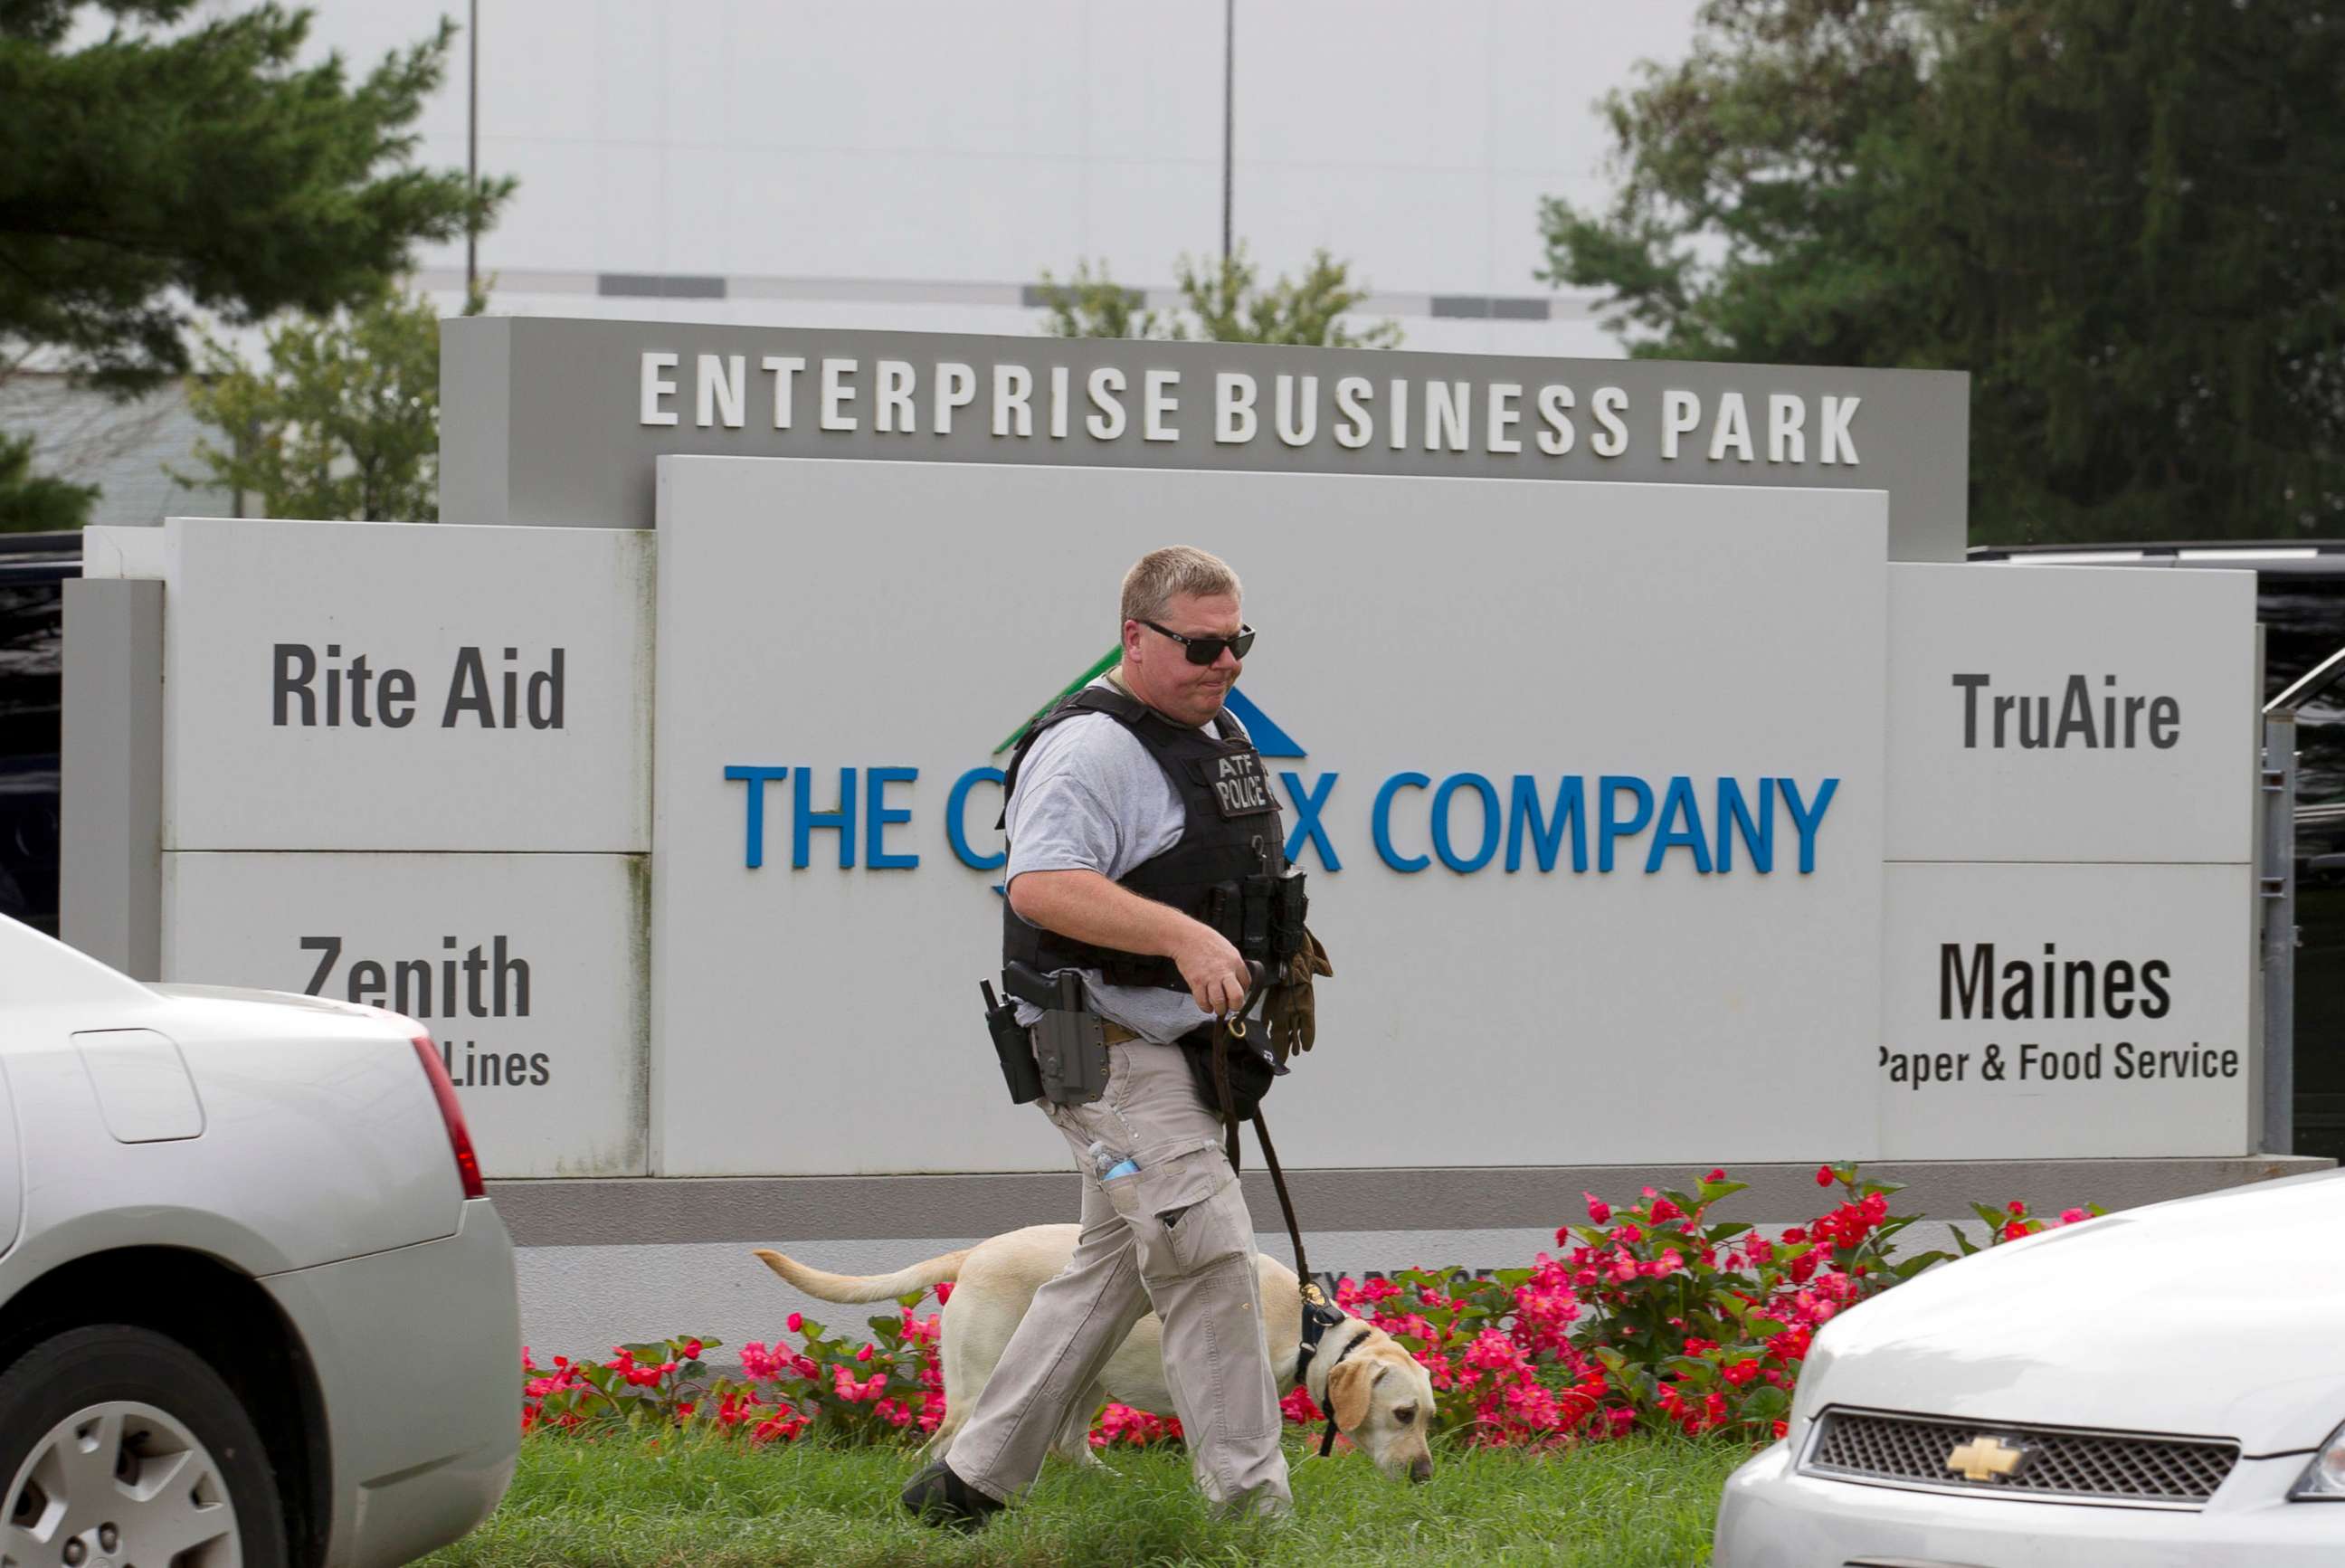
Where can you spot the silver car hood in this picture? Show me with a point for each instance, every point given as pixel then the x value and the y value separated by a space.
pixel 2218 1316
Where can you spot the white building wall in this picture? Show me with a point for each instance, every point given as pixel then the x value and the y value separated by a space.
pixel 915 165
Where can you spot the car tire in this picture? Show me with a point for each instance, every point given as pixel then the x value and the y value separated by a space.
pixel 120 1444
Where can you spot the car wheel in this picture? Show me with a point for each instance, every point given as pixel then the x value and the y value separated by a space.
pixel 123 1449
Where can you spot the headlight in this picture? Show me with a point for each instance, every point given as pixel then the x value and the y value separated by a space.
pixel 2324 1479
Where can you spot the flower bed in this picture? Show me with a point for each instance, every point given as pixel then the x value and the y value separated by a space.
pixel 1650 1316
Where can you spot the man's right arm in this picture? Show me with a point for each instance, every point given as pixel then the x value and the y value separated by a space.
pixel 1086 906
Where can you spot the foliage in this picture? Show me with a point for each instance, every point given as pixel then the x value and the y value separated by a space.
pixel 343 424
pixel 1656 1320
pixel 2120 218
pixel 2014 1223
pixel 184 164
pixel 1227 304
pixel 36 502
pixel 851 1392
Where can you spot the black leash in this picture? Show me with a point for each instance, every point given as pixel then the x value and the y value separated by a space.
pixel 1318 1315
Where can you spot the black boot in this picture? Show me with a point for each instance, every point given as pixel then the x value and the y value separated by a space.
pixel 938 1496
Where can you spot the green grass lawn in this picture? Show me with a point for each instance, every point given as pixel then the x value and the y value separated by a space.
pixel 1644 1503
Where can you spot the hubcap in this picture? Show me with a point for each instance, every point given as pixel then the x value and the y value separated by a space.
pixel 118 1485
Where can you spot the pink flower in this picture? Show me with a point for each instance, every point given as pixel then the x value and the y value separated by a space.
pixel 864 1354
pixel 692 1349
pixel 795 1322
pixel 2016 1206
pixel 1598 1212
pixel 1824 1176
pixel 944 1292
pixel 1715 1175
pixel 2073 1215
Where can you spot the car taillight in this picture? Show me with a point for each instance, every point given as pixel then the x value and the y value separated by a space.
pixel 468 1165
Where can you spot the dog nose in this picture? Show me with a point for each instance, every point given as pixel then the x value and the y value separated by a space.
pixel 1420 1469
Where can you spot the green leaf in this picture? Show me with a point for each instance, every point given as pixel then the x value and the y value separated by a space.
pixel 1765 1402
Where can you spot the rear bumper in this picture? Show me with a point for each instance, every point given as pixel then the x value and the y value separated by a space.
pixel 417 1352
pixel 1773 1517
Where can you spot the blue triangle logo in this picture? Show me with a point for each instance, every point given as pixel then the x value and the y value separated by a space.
pixel 1268 737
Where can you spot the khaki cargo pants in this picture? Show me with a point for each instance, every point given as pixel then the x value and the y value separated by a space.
pixel 1176 1237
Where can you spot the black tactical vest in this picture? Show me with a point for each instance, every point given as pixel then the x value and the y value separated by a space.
pixel 1228 868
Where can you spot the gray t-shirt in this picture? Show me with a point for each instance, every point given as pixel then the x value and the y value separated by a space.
pixel 1092 798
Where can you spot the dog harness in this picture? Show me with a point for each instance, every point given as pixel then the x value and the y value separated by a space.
pixel 1318 1319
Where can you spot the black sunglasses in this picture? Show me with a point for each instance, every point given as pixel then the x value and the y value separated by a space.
pixel 1205 650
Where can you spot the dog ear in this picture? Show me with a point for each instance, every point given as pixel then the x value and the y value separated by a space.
pixel 1347 1391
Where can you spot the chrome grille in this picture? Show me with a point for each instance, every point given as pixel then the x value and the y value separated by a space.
pixel 2107 1467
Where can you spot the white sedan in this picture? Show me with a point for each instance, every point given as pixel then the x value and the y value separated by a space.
pixel 254 1308
pixel 2157 1389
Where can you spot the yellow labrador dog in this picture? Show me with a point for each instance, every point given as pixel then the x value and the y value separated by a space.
pixel 1381 1396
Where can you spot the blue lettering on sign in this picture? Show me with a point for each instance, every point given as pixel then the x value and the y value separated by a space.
pixel 957 821
pixel 805 818
pixel 1546 832
pixel 1442 844
pixel 878 816
pixel 1608 789
pixel 1677 807
pixel 1734 816
pixel 1525 813
pixel 1380 822
pixel 753 855
pixel 1805 820
pixel 1308 804
pixel 1626 809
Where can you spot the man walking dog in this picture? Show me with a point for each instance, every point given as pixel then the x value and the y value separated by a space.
pixel 1146 870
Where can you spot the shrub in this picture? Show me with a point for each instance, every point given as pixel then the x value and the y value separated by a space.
pixel 1649 1316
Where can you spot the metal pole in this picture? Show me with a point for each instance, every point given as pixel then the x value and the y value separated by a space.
pixel 1229 110
pixel 2276 884
pixel 472 146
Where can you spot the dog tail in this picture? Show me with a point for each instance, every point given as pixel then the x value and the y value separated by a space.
pixel 864 1286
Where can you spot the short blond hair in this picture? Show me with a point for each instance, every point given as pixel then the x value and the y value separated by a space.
pixel 1157 577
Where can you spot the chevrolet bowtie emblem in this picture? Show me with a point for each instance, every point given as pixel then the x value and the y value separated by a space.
pixel 1986 1458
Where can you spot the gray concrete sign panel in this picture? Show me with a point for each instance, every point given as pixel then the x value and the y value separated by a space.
pixel 558 421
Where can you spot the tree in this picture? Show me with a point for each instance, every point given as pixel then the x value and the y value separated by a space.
pixel 343 423
pixel 150 178
pixel 1227 304
pixel 2121 218
pixel 35 504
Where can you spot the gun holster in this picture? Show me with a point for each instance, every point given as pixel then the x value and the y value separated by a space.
pixel 1069 1048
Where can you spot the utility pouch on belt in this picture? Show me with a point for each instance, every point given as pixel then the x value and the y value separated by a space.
pixel 1070 1049
pixel 1012 1047
pixel 1275 907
